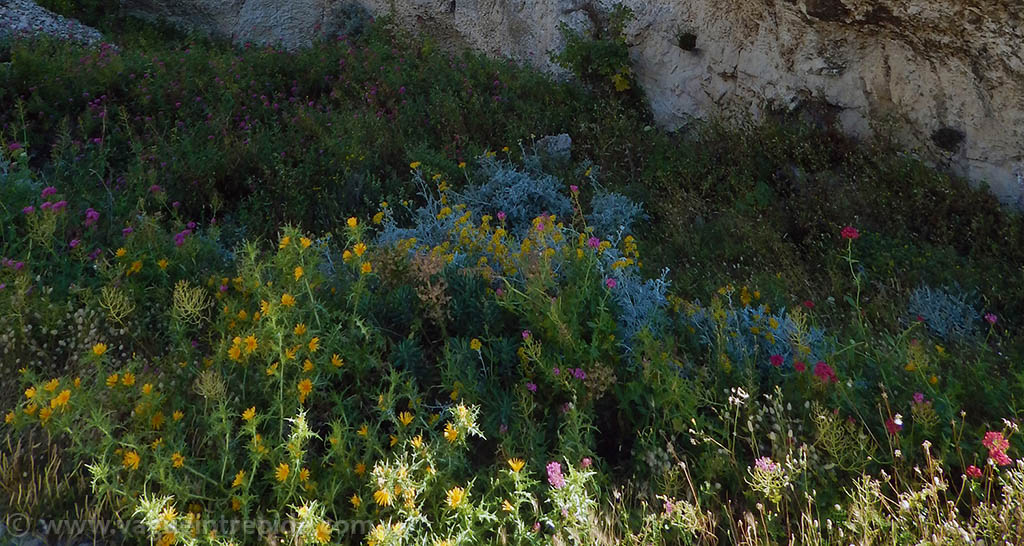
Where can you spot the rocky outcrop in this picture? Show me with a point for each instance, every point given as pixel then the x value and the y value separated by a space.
pixel 945 76
pixel 24 17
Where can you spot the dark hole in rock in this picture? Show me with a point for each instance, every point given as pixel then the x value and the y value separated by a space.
pixel 948 138
pixel 687 41
pixel 828 10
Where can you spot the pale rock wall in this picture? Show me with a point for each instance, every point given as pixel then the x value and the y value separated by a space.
pixel 920 68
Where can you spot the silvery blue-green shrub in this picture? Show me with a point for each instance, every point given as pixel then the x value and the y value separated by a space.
pixel 946 313
pixel 612 214
pixel 746 346
pixel 522 194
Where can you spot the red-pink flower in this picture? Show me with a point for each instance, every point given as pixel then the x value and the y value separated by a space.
pixel 824 372
pixel 973 472
pixel 1000 458
pixel 809 304
pixel 776 360
pixel 850 232
pixel 994 441
pixel 892 426
pixel 799 366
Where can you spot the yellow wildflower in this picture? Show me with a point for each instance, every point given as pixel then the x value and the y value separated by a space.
pixel 287 300
pixel 51 385
pixel 121 252
pixel 355 500
pixel 506 506
pixel 44 414
pixel 305 242
pixel 307 366
pixel 303 474
pixel 366 268
pixel 336 361
pixel 360 469
pixel 378 218
pixel 177 460
pixel 272 369
pixel 298 272
pixel 131 460
pixel 162 263
pixel 314 344
pixel 415 165
pixel 147 388
pixel 281 474
pixel 450 433
pixel 455 496
pixel 61 399
pixel 128 379
pixel 235 353
pixel 382 497
pixel 284 242
pixel 99 349
pixel 346 256
pixel 157 421
pixel 352 222
pixel 249 413
pixel 475 344
pixel 417 441
pixel 299 329
pixel 112 380
pixel 305 387
pixel 177 415
pixel 359 249
pixel 323 532
pixel 516 464
pixel 250 344
pixel 30 393
pixel 363 430
pixel 405 418
pixel 239 478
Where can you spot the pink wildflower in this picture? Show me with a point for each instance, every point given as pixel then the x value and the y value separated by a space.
pixel 995 441
pixel 776 360
pixel 555 477
pixel 850 232
pixel 973 472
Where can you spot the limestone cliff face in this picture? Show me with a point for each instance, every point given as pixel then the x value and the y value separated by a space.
pixel 947 76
